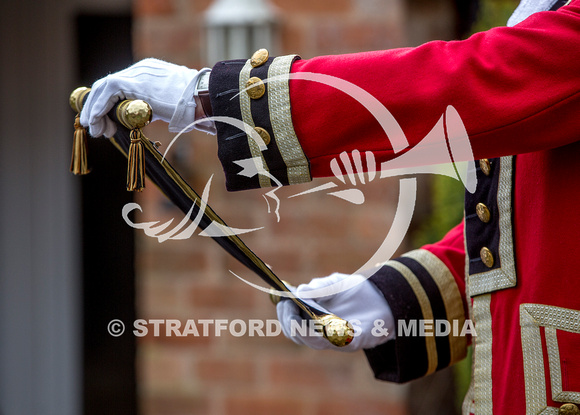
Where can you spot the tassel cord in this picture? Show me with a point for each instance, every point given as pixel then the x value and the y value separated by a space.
pixel 136 162
pixel 78 163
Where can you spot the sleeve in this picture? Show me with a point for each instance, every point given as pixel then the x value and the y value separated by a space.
pixel 425 285
pixel 516 90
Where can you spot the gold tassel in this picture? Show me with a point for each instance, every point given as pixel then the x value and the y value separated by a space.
pixel 78 163
pixel 136 162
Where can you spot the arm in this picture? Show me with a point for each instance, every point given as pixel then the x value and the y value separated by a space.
pixel 508 84
pixel 424 284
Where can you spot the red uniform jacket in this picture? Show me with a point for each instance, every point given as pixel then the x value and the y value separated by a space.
pixel 517 92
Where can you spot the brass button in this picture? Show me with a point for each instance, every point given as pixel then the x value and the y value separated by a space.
pixel 485 166
pixel 483 212
pixel 486 257
pixel 256 87
pixel 259 58
pixel 264 134
pixel 568 409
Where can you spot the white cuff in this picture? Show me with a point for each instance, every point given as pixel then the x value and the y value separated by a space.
pixel 184 114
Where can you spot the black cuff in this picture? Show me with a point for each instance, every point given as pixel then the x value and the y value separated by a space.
pixel 425 303
pixel 264 108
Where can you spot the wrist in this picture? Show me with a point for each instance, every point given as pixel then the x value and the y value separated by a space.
pixel 189 112
pixel 201 97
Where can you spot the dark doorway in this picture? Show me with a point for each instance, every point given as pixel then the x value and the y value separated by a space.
pixel 109 385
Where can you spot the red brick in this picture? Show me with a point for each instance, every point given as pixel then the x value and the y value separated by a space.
pixel 172 40
pixel 153 7
pixel 358 405
pixel 293 36
pixel 316 7
pixel 230 296
pixel 175 405
pixel 330 36
pixel 226 370
pixel 159 367
pixel 167 261
pixel 198 6
pixel 292 373
pixel 261 404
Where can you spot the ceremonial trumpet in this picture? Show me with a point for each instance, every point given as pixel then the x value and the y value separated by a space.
pixel 144 158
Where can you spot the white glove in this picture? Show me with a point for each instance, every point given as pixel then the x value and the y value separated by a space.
pixel 363 305
pixel 167 87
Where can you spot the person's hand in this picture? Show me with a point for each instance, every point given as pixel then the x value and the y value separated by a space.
pixel 363 305
pixel 167 87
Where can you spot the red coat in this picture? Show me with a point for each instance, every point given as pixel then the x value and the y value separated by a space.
pixel 517 92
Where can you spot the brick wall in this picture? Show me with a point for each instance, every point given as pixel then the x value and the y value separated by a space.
pixel 315 236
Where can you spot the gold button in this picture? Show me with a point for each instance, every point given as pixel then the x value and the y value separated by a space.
pixel 483 212
pixel 568 409
pixel 259 58
pixel 485 166
pixel 486 257
pixel 256 87
pixel 264 134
